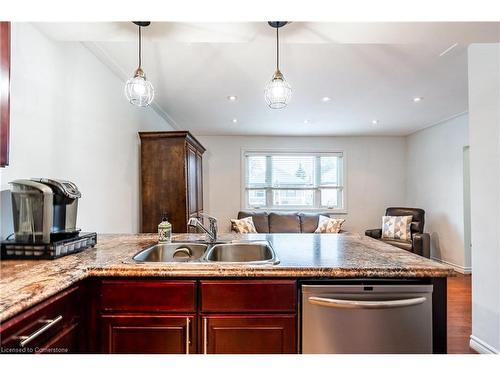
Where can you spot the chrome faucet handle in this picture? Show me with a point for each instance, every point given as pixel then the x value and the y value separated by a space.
pixel 211 219
pixel 192 222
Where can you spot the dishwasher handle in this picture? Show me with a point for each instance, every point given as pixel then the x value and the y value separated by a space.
pixel 352 304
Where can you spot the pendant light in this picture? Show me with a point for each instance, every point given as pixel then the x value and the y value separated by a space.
pixel 278 92
pixel 138 90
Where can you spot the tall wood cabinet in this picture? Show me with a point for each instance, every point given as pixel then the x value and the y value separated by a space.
pixel 171 179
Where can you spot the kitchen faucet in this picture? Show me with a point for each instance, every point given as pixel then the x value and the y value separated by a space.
pixel 211 231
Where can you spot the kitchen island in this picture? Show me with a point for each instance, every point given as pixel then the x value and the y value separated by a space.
pixel 107 273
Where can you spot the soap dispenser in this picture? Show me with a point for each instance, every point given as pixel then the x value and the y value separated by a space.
pixel 164 230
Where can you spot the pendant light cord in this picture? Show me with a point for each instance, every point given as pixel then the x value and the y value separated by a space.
pixel 140 47
pixel 277 49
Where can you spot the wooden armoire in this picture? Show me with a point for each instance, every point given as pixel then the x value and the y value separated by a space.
pixel 171 179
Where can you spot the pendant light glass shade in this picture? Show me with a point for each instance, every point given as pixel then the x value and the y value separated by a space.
pixel 278 92
pixel 138 90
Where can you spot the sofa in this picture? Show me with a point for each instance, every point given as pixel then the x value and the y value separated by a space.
pixel 420 242
pixel 283 222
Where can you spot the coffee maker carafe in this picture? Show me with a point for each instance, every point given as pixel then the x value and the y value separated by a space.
pixel 44 210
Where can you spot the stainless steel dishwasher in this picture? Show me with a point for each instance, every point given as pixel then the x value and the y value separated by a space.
pixel 366 318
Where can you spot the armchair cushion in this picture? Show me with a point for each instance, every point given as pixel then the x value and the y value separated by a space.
pixel 405 245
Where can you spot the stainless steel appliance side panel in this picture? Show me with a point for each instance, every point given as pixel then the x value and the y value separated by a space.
pixel 71 212
pixel 23 186
pixel 330 329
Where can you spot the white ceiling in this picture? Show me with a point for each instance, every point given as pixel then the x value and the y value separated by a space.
pixel 369 70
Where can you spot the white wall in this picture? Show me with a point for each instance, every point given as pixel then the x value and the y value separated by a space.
pixel 375 173
pixel 70 120
pixel 484 136
pixel 435 183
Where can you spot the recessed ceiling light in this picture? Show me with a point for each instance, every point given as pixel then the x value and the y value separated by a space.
pixel 232 98
pixel 235 120
pixel 306 122
pixel 417 99
pixel 325 99
pixel 374 122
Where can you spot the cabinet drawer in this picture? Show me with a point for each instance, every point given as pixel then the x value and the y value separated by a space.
pixel 40 325
pixel 151 295
pixel 240 296
pixel 66 341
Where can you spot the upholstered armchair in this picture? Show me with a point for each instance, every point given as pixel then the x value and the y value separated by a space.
pixel 420 242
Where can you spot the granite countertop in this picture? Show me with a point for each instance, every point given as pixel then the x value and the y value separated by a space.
pixel 24 283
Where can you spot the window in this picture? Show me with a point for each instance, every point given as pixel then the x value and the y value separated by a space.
pixel 294 180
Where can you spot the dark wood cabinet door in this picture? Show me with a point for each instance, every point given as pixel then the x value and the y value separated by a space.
pixel 192 193
pixel 249 334
pixel 148 334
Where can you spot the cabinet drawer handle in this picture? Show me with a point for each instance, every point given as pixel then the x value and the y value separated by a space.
pixel 25 340
pixel 205 338
pixel 188 341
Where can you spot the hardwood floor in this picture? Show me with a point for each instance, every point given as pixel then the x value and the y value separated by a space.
pixel 459 314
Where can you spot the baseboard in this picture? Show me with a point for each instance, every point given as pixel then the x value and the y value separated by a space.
pixel 456 267
pixel 481 347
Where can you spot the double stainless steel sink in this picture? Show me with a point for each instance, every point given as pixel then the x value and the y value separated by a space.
pixel 251 252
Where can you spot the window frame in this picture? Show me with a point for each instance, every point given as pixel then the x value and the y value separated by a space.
pixel 317 190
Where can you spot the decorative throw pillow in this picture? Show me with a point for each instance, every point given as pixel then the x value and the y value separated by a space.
pixel 396 227
pixel 244 225
pixel 329 224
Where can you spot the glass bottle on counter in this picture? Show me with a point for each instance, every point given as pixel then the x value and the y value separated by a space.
pixel 164 231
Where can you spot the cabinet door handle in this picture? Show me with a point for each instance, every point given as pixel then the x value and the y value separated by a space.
pixel 25 340
pixel 205 335
pixel 188 341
